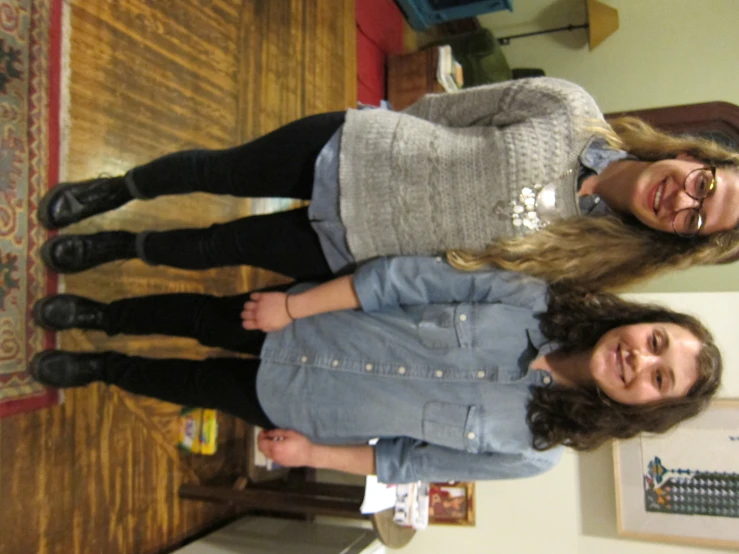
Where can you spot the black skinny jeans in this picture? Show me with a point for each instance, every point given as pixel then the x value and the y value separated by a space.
pixel 225 384
pixel 279 164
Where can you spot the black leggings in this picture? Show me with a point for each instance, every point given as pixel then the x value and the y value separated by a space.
pixel 279 164
pixel 226 384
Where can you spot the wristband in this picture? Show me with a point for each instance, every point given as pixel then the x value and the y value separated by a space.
pixel 287 309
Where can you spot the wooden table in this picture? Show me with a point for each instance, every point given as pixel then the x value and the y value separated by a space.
pixel 305 498
pixel 390 533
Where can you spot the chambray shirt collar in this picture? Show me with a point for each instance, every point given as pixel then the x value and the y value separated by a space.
pixel 596 156
pixel 540 377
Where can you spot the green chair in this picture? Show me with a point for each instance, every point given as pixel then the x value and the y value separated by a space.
pixel 482 58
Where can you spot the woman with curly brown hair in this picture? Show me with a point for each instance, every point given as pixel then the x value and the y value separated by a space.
pixel 612 204
pixel 461 374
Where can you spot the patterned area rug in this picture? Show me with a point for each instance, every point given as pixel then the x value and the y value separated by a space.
pixel 30 77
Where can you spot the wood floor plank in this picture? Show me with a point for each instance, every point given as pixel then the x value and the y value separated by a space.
pixel 100 473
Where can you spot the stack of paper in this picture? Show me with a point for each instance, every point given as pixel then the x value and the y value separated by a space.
pixel 412 505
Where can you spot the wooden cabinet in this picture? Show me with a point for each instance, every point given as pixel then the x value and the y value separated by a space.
pixel 410 76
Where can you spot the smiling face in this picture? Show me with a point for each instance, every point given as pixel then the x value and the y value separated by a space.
pixel 653 191
pixel 646 362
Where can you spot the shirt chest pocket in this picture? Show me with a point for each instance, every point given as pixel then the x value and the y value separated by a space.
pixel 452 425
pixel 445 326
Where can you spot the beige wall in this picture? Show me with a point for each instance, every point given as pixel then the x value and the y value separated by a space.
pixel 666 52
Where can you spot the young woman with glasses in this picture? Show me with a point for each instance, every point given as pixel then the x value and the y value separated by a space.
pixel 524 175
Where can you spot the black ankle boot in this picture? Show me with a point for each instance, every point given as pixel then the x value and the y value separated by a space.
pixel 57 368
pixel 69 203
pixel 74 253
pixel 69 311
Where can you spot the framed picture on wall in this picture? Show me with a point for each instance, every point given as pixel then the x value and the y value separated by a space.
pixel 682 487
pixel 452 503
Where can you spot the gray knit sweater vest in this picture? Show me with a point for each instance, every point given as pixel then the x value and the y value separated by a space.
pixel 436 175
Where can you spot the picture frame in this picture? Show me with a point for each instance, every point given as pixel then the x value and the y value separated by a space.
pixel 682 487
pixel 452 503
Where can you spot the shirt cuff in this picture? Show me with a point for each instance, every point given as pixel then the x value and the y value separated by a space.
pixel 391 462
pixel 368 284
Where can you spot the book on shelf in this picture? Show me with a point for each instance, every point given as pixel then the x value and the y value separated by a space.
pixel 448 70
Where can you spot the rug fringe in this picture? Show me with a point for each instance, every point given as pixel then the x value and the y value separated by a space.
pixel 65 102
pixel 65 123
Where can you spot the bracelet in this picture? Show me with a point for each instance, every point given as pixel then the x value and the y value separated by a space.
pixel 287 308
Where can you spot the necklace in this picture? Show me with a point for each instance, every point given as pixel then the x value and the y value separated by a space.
pixel 536 206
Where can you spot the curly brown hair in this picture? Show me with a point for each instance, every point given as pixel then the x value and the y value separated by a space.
pixel 583 418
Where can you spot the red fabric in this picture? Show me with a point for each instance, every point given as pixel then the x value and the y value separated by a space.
pixel 379 34
pixel 382 22
pixel 370 70
pixel 367 95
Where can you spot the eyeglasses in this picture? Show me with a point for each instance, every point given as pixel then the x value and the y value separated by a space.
pixel 699 184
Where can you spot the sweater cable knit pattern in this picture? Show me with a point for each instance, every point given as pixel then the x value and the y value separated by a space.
pixel 435 176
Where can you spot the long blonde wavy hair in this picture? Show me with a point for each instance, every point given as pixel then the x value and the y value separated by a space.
pixel 612 252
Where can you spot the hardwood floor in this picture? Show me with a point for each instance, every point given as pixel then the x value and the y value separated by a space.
pixel 100 473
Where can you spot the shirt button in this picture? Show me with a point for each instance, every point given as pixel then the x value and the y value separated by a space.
pixel 439 373
pixel 401 370
pixel 438 258
pixel 471 435
pixel 463 317
pixel 480 374
pixel 304 359
pixel 335 363
pixel 546 380
pixel 368 367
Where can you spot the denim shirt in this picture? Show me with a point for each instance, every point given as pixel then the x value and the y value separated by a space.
pixel 437 365
pixel 596 157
